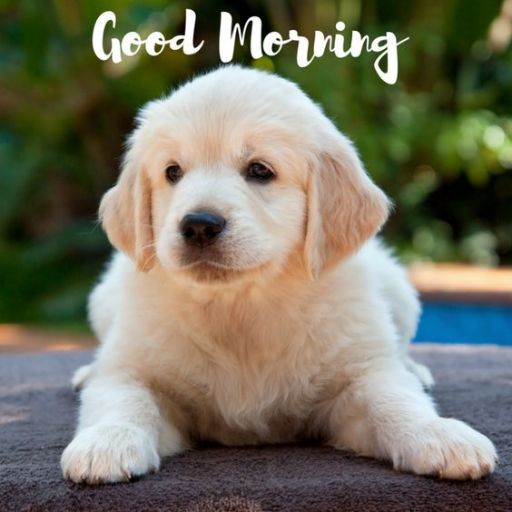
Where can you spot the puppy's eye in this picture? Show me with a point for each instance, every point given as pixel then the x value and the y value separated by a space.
pixel 173 173
pixel 257 171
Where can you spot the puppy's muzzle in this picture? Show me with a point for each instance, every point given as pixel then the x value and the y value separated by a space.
pixel 201 229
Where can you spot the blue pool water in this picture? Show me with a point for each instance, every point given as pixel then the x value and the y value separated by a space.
pixel 465 323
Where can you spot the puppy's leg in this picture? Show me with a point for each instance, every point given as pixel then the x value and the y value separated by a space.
pixel 385 413
pixel 405 308
pixel 118 433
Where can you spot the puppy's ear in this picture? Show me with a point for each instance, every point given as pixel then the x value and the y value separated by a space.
pixel 125 212
pixel 345 207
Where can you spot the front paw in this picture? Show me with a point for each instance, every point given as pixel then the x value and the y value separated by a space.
pixel 109 453
pixel 446 448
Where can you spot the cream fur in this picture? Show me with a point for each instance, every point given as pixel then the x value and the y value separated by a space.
pixel 295 326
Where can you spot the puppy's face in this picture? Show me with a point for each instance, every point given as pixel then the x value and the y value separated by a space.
pixel 228 195
pixel 234 172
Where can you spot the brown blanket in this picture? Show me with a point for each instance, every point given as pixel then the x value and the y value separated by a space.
pixel 38 409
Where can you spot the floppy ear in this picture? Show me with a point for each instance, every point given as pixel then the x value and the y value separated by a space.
pixel 125 212
pixel 345 207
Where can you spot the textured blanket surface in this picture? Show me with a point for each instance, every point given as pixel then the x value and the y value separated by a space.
pixel 38 409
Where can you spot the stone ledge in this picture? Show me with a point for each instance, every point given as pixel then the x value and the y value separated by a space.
pixel 463 283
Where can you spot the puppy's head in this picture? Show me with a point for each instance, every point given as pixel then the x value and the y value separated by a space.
pixel 232 174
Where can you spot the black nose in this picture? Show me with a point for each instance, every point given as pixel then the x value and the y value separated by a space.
pixel 201 228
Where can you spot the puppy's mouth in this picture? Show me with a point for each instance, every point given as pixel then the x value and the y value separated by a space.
pixel 212 265
pixel 207 265
pixel 206 272
pixel 191 257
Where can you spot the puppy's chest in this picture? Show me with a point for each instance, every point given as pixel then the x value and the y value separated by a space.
pixel 251 375
pixel 241 401
pixel 261 392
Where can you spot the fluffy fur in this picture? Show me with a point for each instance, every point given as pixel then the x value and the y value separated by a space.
pixel 294 324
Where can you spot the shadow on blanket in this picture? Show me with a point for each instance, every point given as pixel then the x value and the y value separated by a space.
pixel 38 409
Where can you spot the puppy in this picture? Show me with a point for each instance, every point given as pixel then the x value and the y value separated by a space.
pixel 249 301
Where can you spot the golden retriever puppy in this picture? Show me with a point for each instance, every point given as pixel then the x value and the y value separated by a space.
pixel 249 302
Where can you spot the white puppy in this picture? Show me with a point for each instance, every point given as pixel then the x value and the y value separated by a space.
pixel 249 302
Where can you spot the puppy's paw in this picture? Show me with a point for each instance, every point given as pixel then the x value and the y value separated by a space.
pixel 447 448
pixel 109 453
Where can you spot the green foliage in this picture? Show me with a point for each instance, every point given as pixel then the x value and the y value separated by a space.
pixel 439 141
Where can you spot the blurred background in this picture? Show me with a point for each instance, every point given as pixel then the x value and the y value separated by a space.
pixel 439 142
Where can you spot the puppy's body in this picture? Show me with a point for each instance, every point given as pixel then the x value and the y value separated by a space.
pixel 290 325
pixel 257 363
